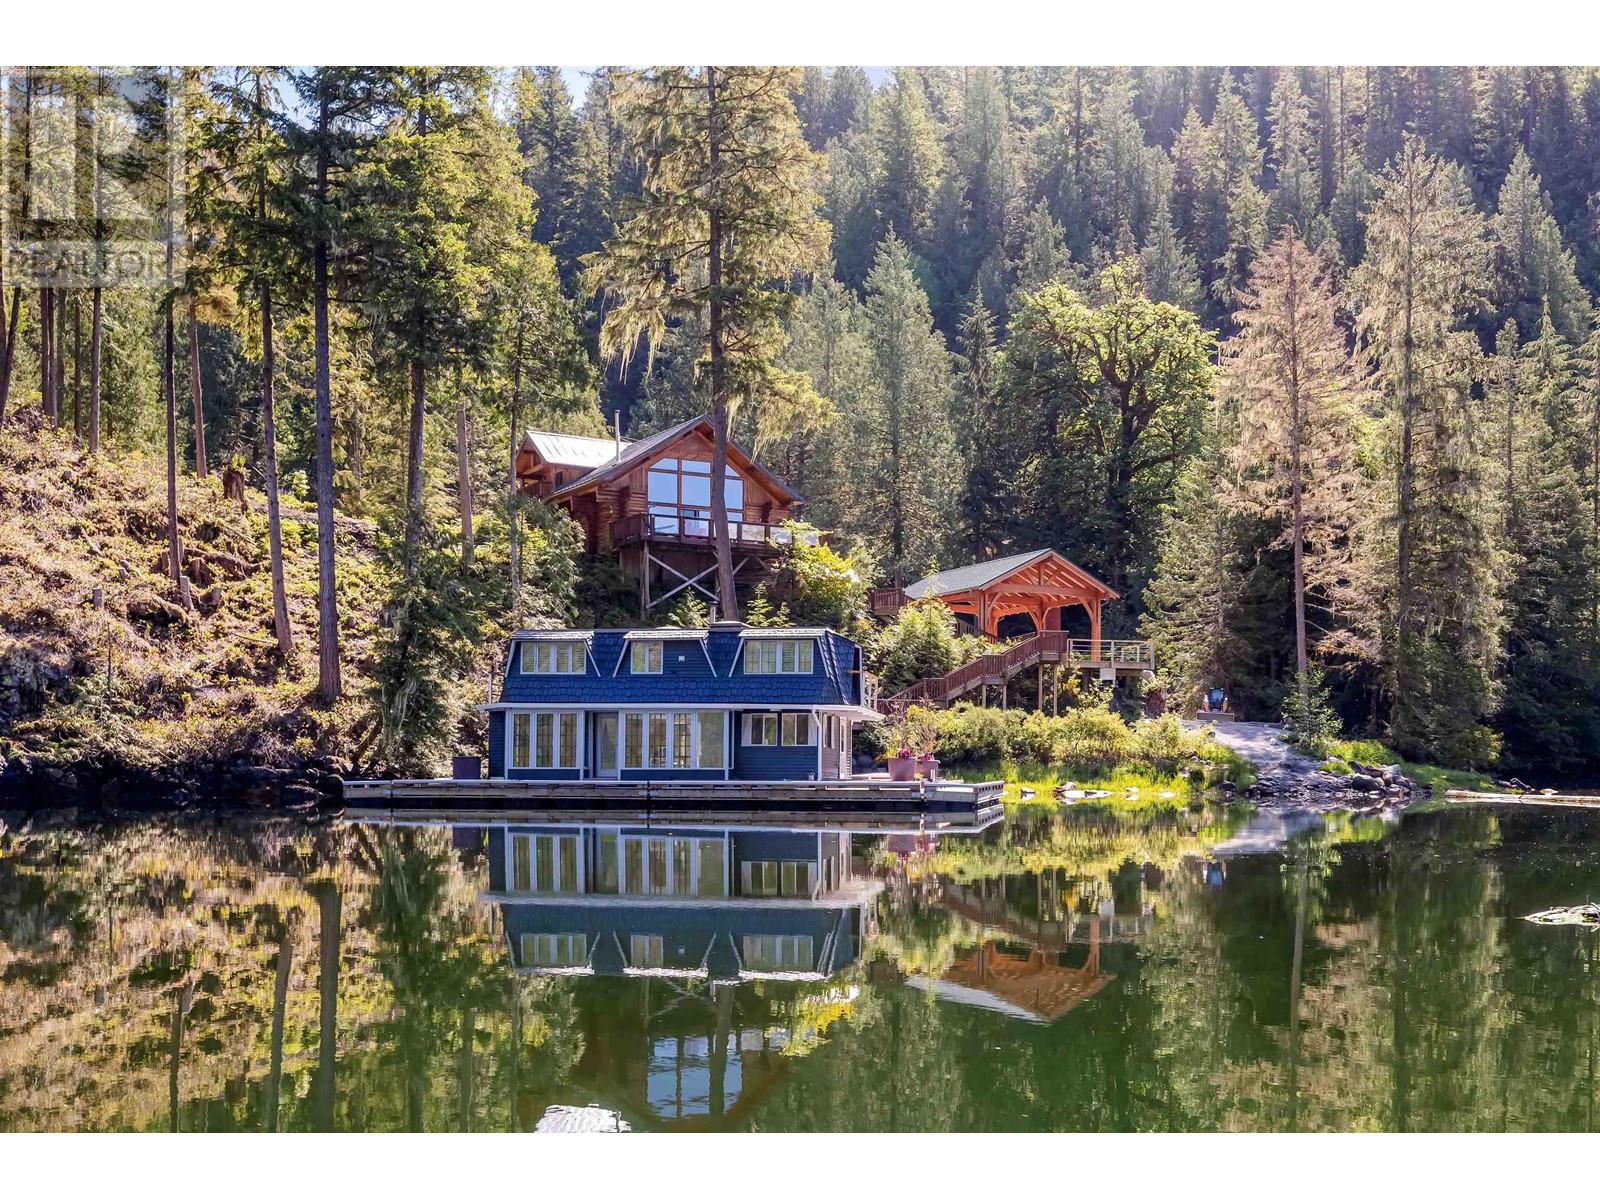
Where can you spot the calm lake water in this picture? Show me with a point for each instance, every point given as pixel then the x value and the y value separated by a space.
pixel 1069 970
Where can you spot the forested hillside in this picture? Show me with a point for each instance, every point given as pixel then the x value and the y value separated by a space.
pixel 1300 360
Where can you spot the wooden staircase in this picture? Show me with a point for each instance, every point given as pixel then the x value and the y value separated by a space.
pixel 1050 646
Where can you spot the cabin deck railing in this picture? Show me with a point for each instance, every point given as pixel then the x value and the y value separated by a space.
pixel 694 529
pixel 1050 645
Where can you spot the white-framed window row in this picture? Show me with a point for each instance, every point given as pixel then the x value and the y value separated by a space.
pixel 674 739
pixel 554 950
pixel 548 864
pixel 780 729
pixel 777 952
pixel 790 878
pixel 545 739
pixel 548 656
pixel 778 656
pixel 660 865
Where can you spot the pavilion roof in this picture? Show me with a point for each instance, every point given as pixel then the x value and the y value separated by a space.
pixel 976 576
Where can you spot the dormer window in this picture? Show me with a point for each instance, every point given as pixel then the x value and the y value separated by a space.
pixel 778 656
pixel 551 657
pixel 645 658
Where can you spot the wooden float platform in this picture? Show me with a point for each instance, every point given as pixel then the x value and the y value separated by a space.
pixel 862 805
pixel 1527 799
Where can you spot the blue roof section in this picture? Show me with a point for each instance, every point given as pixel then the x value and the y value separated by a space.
pixel 686 678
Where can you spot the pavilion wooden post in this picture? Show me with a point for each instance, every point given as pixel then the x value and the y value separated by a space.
pixel 1055 688
pixel 1040 701
pixel 1094 627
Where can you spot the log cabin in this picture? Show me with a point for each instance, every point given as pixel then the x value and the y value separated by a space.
pixel 648 504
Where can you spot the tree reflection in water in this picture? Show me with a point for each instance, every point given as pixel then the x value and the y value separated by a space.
pixel 1093 972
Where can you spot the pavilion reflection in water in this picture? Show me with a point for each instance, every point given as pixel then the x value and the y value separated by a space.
pixel 665 924
pixel 1038 960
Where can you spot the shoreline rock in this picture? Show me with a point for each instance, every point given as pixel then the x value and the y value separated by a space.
pixel 103 783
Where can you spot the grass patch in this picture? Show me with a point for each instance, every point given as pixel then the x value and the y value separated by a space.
pixel 1369 753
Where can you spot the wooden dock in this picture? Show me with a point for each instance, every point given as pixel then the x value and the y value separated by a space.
pixel 863 805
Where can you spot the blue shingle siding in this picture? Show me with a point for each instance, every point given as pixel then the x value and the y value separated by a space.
pixel 832 679
pixel 496 854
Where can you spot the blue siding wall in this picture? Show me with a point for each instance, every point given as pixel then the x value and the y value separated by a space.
pixel 497 860
pixel 763 845
pixel 770 762
pixel 497 745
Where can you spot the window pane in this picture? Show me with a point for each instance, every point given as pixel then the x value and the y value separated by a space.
pixel 521 865
pixel 682 724
pixel 803 649
pixel 711 757
pixel 658 866
pixel 521 728
pixel 543 865
pixel 788 651
pixel 633 858
pixel 569 864
pixel 645 950
pixel 711 872
pixel 788 729
pixel 658 739
pixel 606 864
pixel 663 486
pixel 735 494
pixel 696 466
pixel 606 751
pixel 633 752
pixel 696 490
pixel 786 883
pixel 544 725
pixel 682 867
pixel 569 739
pixel 525 658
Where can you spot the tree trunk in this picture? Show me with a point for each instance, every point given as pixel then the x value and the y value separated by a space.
pixel 727 600
pixel 414 432
pixel 280 999
pixel 194 390
pixel 8 347
pixel 464 473
pixel 1297 484
pixel 514 523
pixel 46 375
pixel 269 435
pixel 328 906
pixel 174 546
pixel 328 683
pixel 95 337
pixel 58 380
pixel 1405 502
pixel 77 369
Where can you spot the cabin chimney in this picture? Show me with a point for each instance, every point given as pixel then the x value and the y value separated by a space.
pixel 616 436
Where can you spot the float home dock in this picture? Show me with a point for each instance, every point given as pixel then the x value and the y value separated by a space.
pixel 727 723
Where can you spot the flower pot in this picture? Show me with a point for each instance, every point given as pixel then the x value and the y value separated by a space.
pixel 928 768
pixel 902 769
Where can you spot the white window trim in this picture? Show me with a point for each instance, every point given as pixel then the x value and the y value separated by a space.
pixel 694 739
pixel 582 882
pixel 750 719
pixel 525 643
pixel 580 724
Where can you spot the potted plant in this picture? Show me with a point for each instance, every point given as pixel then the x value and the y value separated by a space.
pixel 920 737
pixel 902 765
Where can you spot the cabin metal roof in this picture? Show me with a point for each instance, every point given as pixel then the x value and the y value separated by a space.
pixel 574 450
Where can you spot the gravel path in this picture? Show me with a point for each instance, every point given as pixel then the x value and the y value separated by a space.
pixel 1287 778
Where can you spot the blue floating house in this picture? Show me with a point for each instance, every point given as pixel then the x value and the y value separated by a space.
pixel 728 703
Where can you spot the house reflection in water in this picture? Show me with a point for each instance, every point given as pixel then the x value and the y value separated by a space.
pixel 677 918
